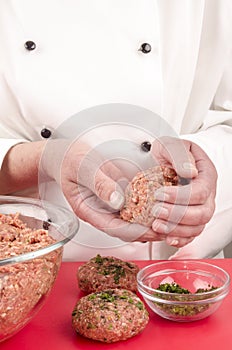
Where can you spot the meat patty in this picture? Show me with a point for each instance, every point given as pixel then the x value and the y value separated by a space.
pixel 109 316
pixel 140 194
pixel 101 273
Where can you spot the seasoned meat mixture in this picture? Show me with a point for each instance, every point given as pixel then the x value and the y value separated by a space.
pixel 140 194
pixel 106 272
pixel 23 285
pixel 110 315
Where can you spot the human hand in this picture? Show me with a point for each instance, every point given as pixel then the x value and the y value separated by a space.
pixel 183 211
pixel 92 186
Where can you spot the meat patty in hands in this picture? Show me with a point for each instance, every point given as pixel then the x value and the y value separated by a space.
pixel 140 194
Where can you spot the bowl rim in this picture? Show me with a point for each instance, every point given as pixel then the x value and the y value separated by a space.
pixel 72 219
pixel 147 289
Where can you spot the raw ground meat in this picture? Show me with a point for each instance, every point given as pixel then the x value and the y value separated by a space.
pixel 109 316
pixel 140 194
pixel 23 285
pixel 101 273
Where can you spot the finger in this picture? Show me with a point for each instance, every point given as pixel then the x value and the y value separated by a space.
pixel 151 236
pixel 203 162
pixel 195 193
pixel 185 215
pixel 199 189
pixel 175 153
pixel 180 242
pixel 114 172
pixel 107 190
pixel 91 175
pixel 85 208
pixel 174 230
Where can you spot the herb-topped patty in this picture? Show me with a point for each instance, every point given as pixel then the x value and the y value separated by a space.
pixel 106 272
pixel 110 315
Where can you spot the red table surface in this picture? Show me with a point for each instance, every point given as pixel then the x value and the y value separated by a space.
pixel 52 328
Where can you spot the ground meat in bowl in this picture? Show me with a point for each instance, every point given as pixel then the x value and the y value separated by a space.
pixel 110 315
pixel 23 286
pixel 140 194
pixel 106 272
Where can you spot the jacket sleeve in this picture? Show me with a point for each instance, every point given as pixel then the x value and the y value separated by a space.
pixel 217 143
pixel 9 119
pixel 215 138
pixel 5 145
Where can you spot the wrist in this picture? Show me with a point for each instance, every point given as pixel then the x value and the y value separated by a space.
pixel 51 159
pixel 20 167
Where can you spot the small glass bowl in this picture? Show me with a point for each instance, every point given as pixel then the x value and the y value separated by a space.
pixel 191 275
pixel 27 279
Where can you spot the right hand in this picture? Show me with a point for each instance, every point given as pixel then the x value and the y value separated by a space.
pixel 183 211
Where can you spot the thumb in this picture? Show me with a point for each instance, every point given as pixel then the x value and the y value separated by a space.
pixel 187 169
pixel 108 190
pixel 177 153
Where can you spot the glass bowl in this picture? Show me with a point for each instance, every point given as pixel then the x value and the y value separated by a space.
pixel 29 261
pixel 203 288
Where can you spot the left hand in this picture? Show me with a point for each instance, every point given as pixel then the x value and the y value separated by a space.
pixel 91 185
pixel 183 211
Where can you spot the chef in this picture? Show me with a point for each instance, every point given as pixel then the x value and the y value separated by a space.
pixel 133 81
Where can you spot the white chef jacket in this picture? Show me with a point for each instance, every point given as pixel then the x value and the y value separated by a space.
pixel 87 54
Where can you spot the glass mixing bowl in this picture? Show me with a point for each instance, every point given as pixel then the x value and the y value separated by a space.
pixel 183 291
pixel 32 236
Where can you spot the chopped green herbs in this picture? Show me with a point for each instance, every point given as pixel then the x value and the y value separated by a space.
pixel 91 326
pixel 98 259
pixel 139 305
pixel 111 297
pixel 129 265
pixel 173 288
pixel 109 266
pixel 107 296
pixel 202 290
pixel 180 309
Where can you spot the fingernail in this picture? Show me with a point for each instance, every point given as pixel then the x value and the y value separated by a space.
pixel 161 196
pixel 190 166
pixel 172 242
pixel 116 200
pixel 160 212
pixel 160 227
